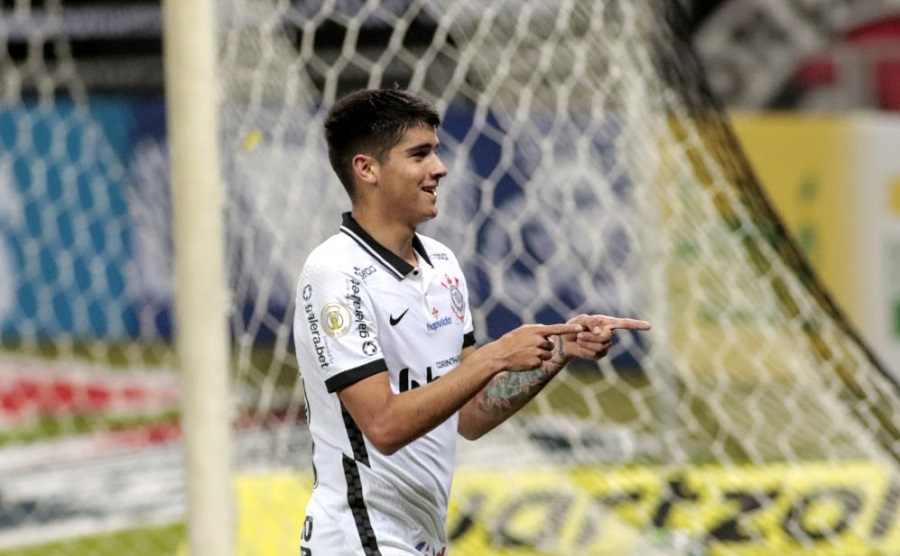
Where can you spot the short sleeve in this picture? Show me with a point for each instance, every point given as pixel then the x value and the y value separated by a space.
pixel 335 328
pixel 469 323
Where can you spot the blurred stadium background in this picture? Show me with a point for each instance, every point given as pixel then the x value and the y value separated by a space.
pixel 737 178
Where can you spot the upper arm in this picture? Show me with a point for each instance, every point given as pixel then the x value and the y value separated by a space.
pixel 367 400
pixel 335 328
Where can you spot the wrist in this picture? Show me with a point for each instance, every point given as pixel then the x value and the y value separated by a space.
pixel 560 357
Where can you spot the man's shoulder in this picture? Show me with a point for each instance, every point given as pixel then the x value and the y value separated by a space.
pixel 334 252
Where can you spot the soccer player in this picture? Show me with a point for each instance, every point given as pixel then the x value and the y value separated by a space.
pixel 386 345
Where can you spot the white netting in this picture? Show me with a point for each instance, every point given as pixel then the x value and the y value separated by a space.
pixel 589 172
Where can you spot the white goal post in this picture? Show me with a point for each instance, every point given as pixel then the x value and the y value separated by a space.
pixel 202 343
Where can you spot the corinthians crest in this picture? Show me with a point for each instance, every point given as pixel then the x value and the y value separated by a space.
pixel 456 297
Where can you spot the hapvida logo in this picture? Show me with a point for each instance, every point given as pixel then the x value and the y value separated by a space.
pixel 433 326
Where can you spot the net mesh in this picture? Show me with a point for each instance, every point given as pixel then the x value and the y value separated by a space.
pixel 590 170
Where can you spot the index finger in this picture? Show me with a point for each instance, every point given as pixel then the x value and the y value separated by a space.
pixel 623 323
pixel 557 329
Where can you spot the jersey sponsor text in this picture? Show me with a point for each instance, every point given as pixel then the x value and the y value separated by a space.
pixel 440 323
pixel 318 341
pixel 362 328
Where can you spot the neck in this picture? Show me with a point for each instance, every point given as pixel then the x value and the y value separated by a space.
pixel 394 235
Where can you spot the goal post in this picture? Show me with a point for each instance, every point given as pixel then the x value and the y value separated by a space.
pixel 202 340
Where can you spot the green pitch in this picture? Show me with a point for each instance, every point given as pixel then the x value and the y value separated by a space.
pixel 160 541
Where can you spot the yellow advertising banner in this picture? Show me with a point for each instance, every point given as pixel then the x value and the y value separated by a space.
pixel 813 508
pixel 804 165
pixel 835 180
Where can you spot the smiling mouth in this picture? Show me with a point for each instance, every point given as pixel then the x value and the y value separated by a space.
pixel 432 190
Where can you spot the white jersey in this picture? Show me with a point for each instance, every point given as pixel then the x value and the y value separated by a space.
pixel 362 310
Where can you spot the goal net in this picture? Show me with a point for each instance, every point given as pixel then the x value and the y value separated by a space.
pixel 590 171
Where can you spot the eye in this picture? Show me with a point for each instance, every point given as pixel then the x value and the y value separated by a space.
pixel 423 151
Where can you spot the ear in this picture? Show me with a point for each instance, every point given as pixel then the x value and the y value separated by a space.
pixel 365 169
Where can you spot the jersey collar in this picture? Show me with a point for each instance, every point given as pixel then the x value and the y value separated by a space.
pixel 396 265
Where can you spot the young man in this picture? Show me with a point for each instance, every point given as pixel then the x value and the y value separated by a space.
pixel 386 345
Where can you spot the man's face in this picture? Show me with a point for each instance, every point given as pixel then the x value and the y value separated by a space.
pixel 409 176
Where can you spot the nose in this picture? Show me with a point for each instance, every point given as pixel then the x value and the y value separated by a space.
pixel 440 169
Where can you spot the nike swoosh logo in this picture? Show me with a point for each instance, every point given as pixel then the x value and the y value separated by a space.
pixel 394 321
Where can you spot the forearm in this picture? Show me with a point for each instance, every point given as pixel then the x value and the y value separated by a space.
pixel 503 396
pixel 413 413
pixel 391 421
pixel 509 392
pixel 506 394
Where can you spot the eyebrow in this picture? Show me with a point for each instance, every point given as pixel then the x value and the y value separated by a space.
pixel 419 146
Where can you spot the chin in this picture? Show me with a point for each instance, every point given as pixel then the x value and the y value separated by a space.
pixel 428 216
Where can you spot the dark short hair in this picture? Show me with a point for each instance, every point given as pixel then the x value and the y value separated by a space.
pixel 372 122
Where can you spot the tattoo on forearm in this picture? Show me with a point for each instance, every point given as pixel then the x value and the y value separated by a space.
pixel 508 392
